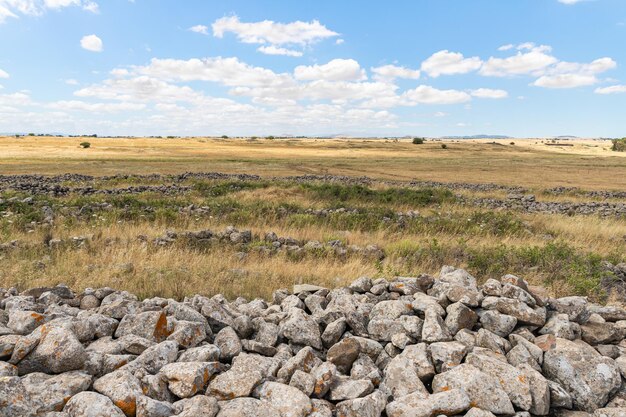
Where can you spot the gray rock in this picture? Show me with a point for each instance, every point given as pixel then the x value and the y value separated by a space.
pixel 587 376
pixel 91 404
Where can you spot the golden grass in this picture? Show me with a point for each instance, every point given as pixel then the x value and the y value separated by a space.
pixel 589 165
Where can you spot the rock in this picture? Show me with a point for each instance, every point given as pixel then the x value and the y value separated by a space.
pixel 122 388
pixel 513 381
pixel 187 378
pixel 434 329
pixel 401 378
pixel 370 406
pixel 483 391
pixel 349 389
pixel 449 402
pixel 238 381
pixel 324 375
pixel 228 343
pixel 200 405
pixel 447 355
pixel 57 351
pixel 151 325
pixel 587 376
pixel 147 407
pixel 155 357
pixel 205 353
pixel 91 404
pixel 303 381
pixel 247 407
pixel 521 311
pixel 50 393
pixel 288 401
pixel 14 399
pixel 497 323
pixel 343 354
pixel 460 317
pixel 301 329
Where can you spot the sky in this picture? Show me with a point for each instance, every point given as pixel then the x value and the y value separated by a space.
pixel 523 68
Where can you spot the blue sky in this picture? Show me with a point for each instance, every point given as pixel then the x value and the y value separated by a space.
pixel 422 67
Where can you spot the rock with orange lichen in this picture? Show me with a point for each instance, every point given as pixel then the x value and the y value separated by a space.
pixel 185 379
pixel 23 322
pixel 14 399
pixel 238 381
pixel 122 388
pixel 151 325
pixel 51 392
pixel 247 407
pixel 91 404
pixel 58 350
pixel 200 405
pixel 370 406
pixel 447 403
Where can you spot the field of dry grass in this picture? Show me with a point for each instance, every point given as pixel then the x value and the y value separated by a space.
pixel 528 163
pixel 563 253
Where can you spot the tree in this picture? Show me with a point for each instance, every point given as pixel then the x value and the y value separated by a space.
pixel 224 137
pixel 619 145
pixel 418 141
pixel 444 146
pixel 85 145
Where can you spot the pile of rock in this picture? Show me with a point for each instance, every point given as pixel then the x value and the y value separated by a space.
pixel 271 243
pixel 418 346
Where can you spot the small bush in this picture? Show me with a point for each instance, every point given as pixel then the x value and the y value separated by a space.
pixel 85 145
pixel 224 137
pixel 444 146
pixel 270 137
pixel 418 141
pixel 619 145
pixel 512 143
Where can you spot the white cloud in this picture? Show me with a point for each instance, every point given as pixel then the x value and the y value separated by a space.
pixel 489 93
pixel 141 88
pixel 91 43
pixel 506 47
pixel 613 89
pixel 200 29
pixel 565 80
pixel 71 81
pixel 96 107
pixel 12 8
pixel 4 74
pixel 523 63
pixel 339 41
pixel 447 63
pixel 570 1
pixel 391 72
pixel 335 70
pixel 425 94
pixel 227 71
pixel 270 32
pixel 275 50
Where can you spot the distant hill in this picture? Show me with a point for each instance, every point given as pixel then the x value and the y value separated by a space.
pixel 478 137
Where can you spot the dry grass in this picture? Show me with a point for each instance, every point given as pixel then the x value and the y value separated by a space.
pixel 589 165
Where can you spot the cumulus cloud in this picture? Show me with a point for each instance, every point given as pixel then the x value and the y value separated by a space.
pixel 565 80
pixel 489 93
pixel 335 70
pixel 200 29
pixel 570 1
pixel 275 50
pixel 274 33
pixel 425 94
pixel 91 43
pixel 447 63
pixel 14 8
pixel 536 59
pixel 391 72
pixel 4 74
pixel 613 89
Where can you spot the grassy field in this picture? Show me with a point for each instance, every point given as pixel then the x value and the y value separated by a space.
pixel 564 254
pixel 529 162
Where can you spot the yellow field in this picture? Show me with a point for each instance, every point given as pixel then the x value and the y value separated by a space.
pixel 589 164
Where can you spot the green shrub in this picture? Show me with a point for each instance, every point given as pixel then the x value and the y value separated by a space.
pixel 444 146
pixel 85 145
pixel 418 141
pixel 619 145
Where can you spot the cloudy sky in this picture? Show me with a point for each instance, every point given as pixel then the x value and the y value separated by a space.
pixel 419 67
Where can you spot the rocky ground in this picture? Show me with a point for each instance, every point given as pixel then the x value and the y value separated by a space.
pixel 518 198
pixel 412 346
